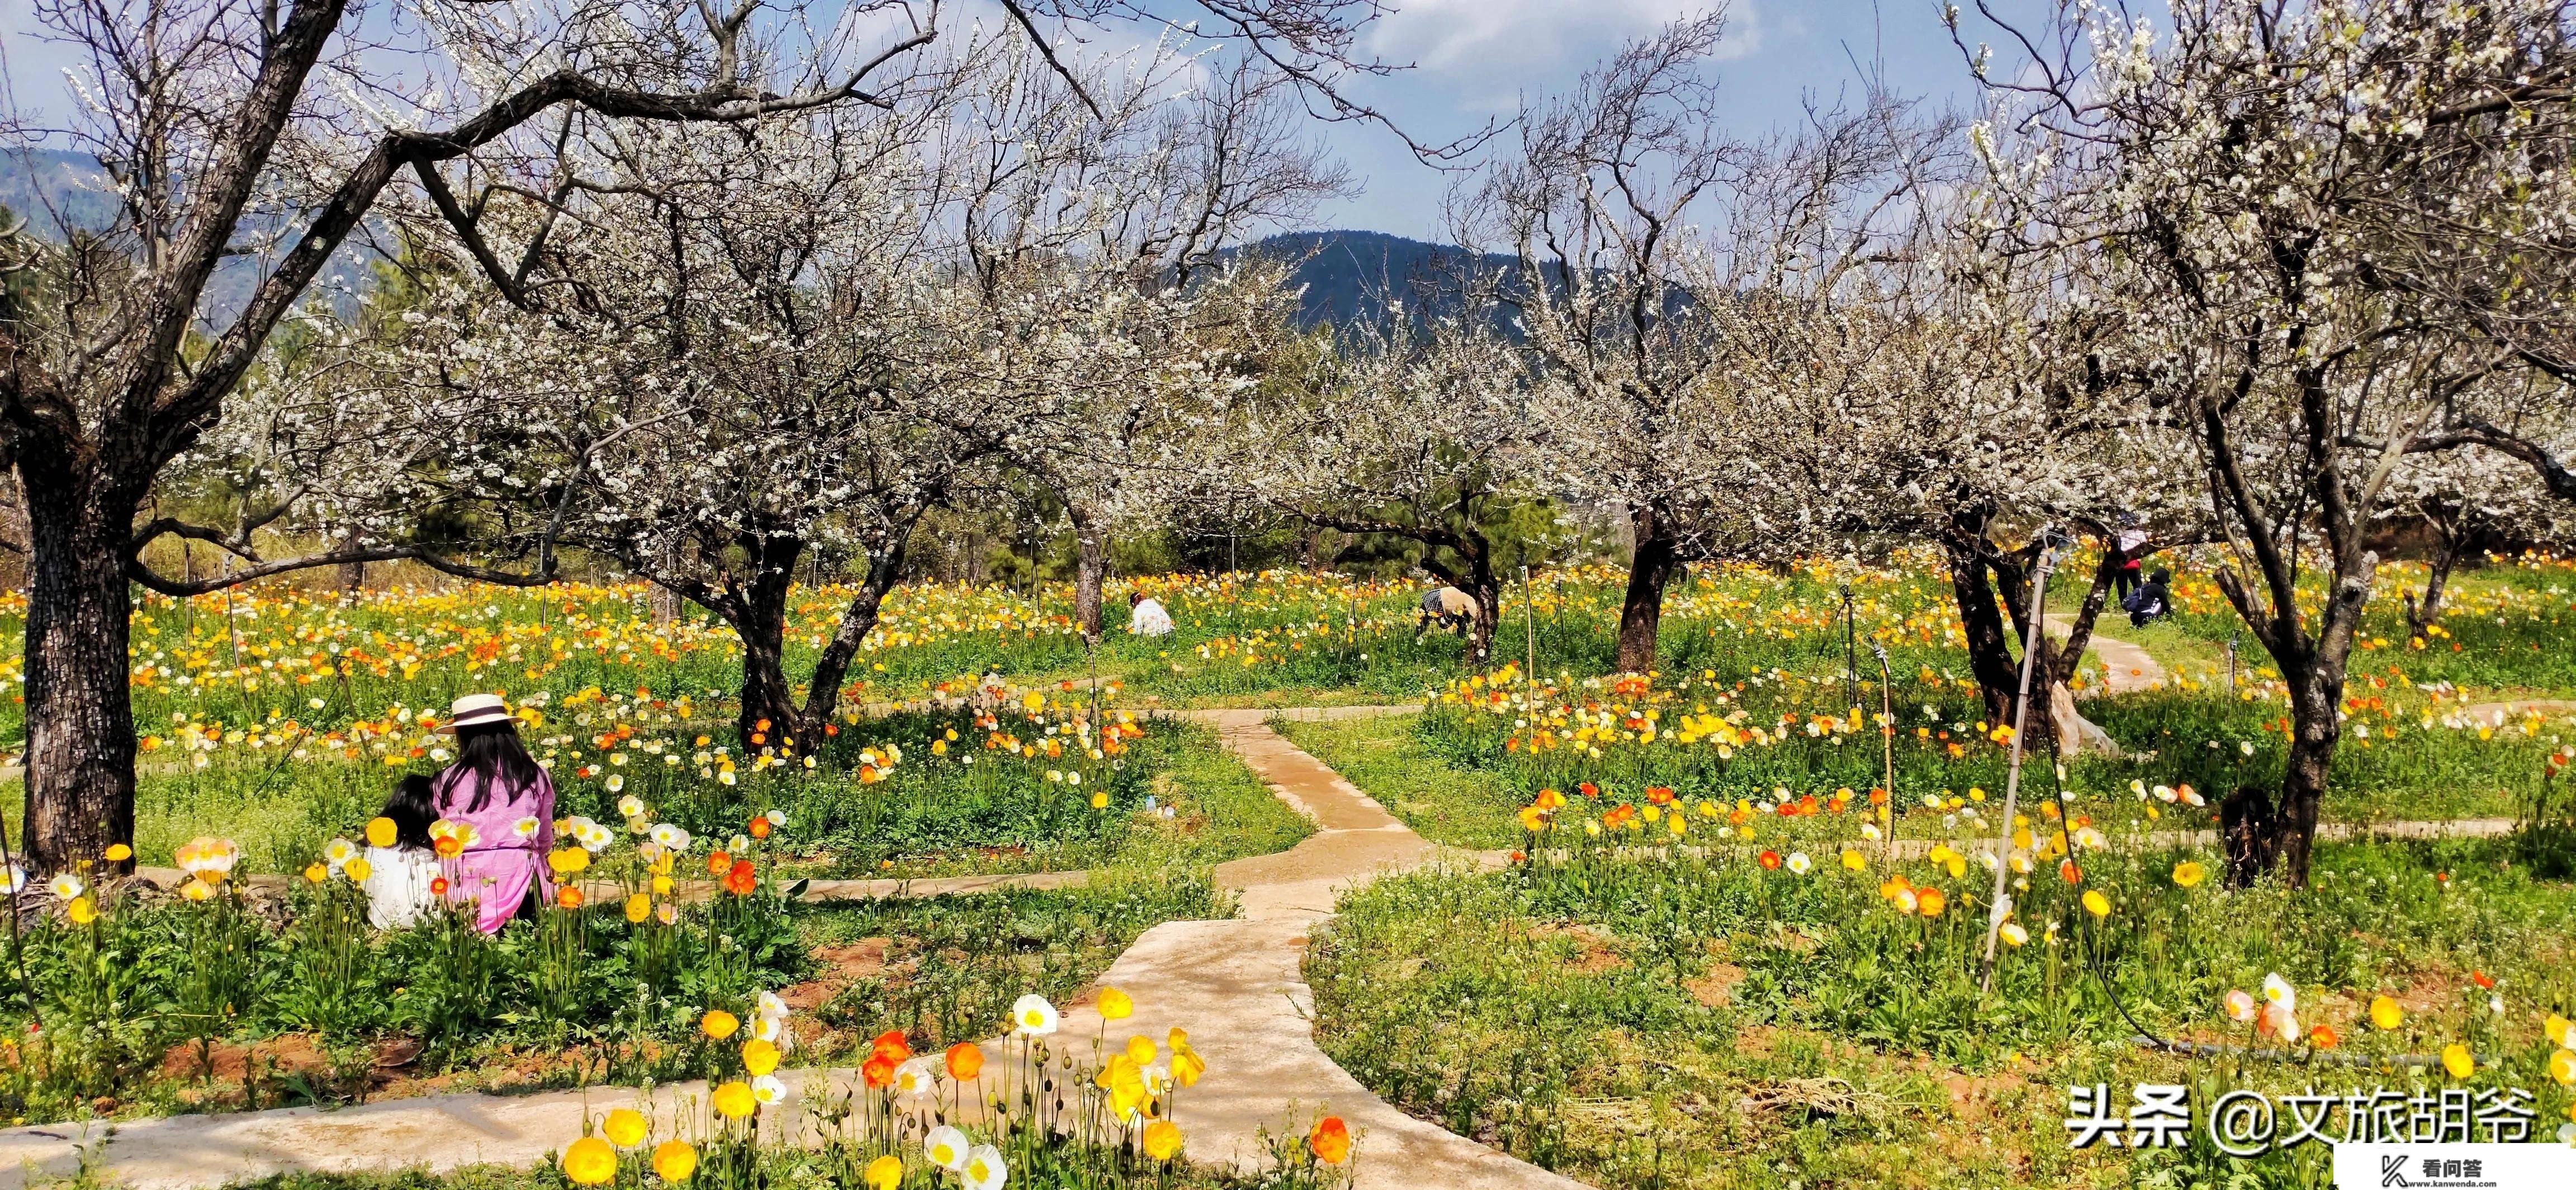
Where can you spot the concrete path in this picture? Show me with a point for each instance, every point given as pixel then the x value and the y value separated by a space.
pixel 1235 985
pixel 2125 667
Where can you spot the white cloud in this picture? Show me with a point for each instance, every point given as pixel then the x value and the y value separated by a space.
pixel 1489 38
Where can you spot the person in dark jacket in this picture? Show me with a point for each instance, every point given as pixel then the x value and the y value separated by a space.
pixel 2153 601
pixel 1450 608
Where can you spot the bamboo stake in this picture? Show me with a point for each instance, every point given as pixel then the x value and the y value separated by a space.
pixel 1999 906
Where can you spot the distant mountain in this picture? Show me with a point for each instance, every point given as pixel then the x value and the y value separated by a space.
pixel 1347 277
pixel 54 189
pixel 1353 277
pixel 57 191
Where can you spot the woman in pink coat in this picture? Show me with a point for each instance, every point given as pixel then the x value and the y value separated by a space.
pixel 496 788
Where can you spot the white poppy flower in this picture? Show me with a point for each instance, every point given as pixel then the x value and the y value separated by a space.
pixel 945 1147
pixel 1032 1016
pixel 915 1077
pixel 984 1169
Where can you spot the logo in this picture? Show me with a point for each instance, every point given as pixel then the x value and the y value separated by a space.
pixel 2454 1166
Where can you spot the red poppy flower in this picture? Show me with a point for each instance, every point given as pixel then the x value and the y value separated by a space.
pixel 739 880
pixel 1770 860
pixel 1589 789
pixel 438 886
pixel 2484 981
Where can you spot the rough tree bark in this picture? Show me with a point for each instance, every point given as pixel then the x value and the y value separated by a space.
pixel 80 716
pixel 1090 570
pixel 1650 567
pixel 1981 619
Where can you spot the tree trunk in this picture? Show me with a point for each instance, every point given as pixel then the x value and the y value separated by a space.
pixel 1090 572
pixel 1487 591
pixel 2426 612
pixel 2258 831
pixel 757 610
pixel 1641 610
pixel 1990 658
pixel 858 619
pixel 80 714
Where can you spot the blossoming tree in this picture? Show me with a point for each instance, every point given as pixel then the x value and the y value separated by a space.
pixel 268 133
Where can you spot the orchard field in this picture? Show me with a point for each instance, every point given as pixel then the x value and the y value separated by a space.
pixel 1713 944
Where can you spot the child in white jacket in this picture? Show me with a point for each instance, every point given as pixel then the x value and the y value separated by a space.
pixel 401 867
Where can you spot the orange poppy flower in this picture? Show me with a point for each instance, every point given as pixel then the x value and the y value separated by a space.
pixel 717 862
pixel 739 880
pixel 1770 860
pixel 965 1061
pixel 1330 1141
pixel 891 1045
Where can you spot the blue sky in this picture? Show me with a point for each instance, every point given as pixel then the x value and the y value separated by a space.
pixel 1477 58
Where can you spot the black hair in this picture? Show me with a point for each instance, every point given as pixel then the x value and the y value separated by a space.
pixel 2161 576
pixel 492 754
pixel 1135 597
pixel 413 806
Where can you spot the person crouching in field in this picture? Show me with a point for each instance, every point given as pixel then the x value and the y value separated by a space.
pixel 1146 616
pixel 1454 610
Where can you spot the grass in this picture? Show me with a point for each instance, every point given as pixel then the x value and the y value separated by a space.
pixel 932 816
pixel 946 969
pixel 942 969
pixel 1175 799
pixel 1383 755
pixel 1700 1024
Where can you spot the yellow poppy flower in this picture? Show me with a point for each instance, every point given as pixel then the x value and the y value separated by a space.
pixel 1162 1140
pixel 589 1162
pixel 719 1024
pixel 733 1100
pixel 1115 1005
pixel 675 1160
pixel 624 1128
pixel 2385 1013
pixel 2097 904
pixel 2189 873
pixel 759 1057
pixel 2457 1059
pixel 884 1173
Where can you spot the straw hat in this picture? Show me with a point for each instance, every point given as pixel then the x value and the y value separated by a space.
pixel 476 710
